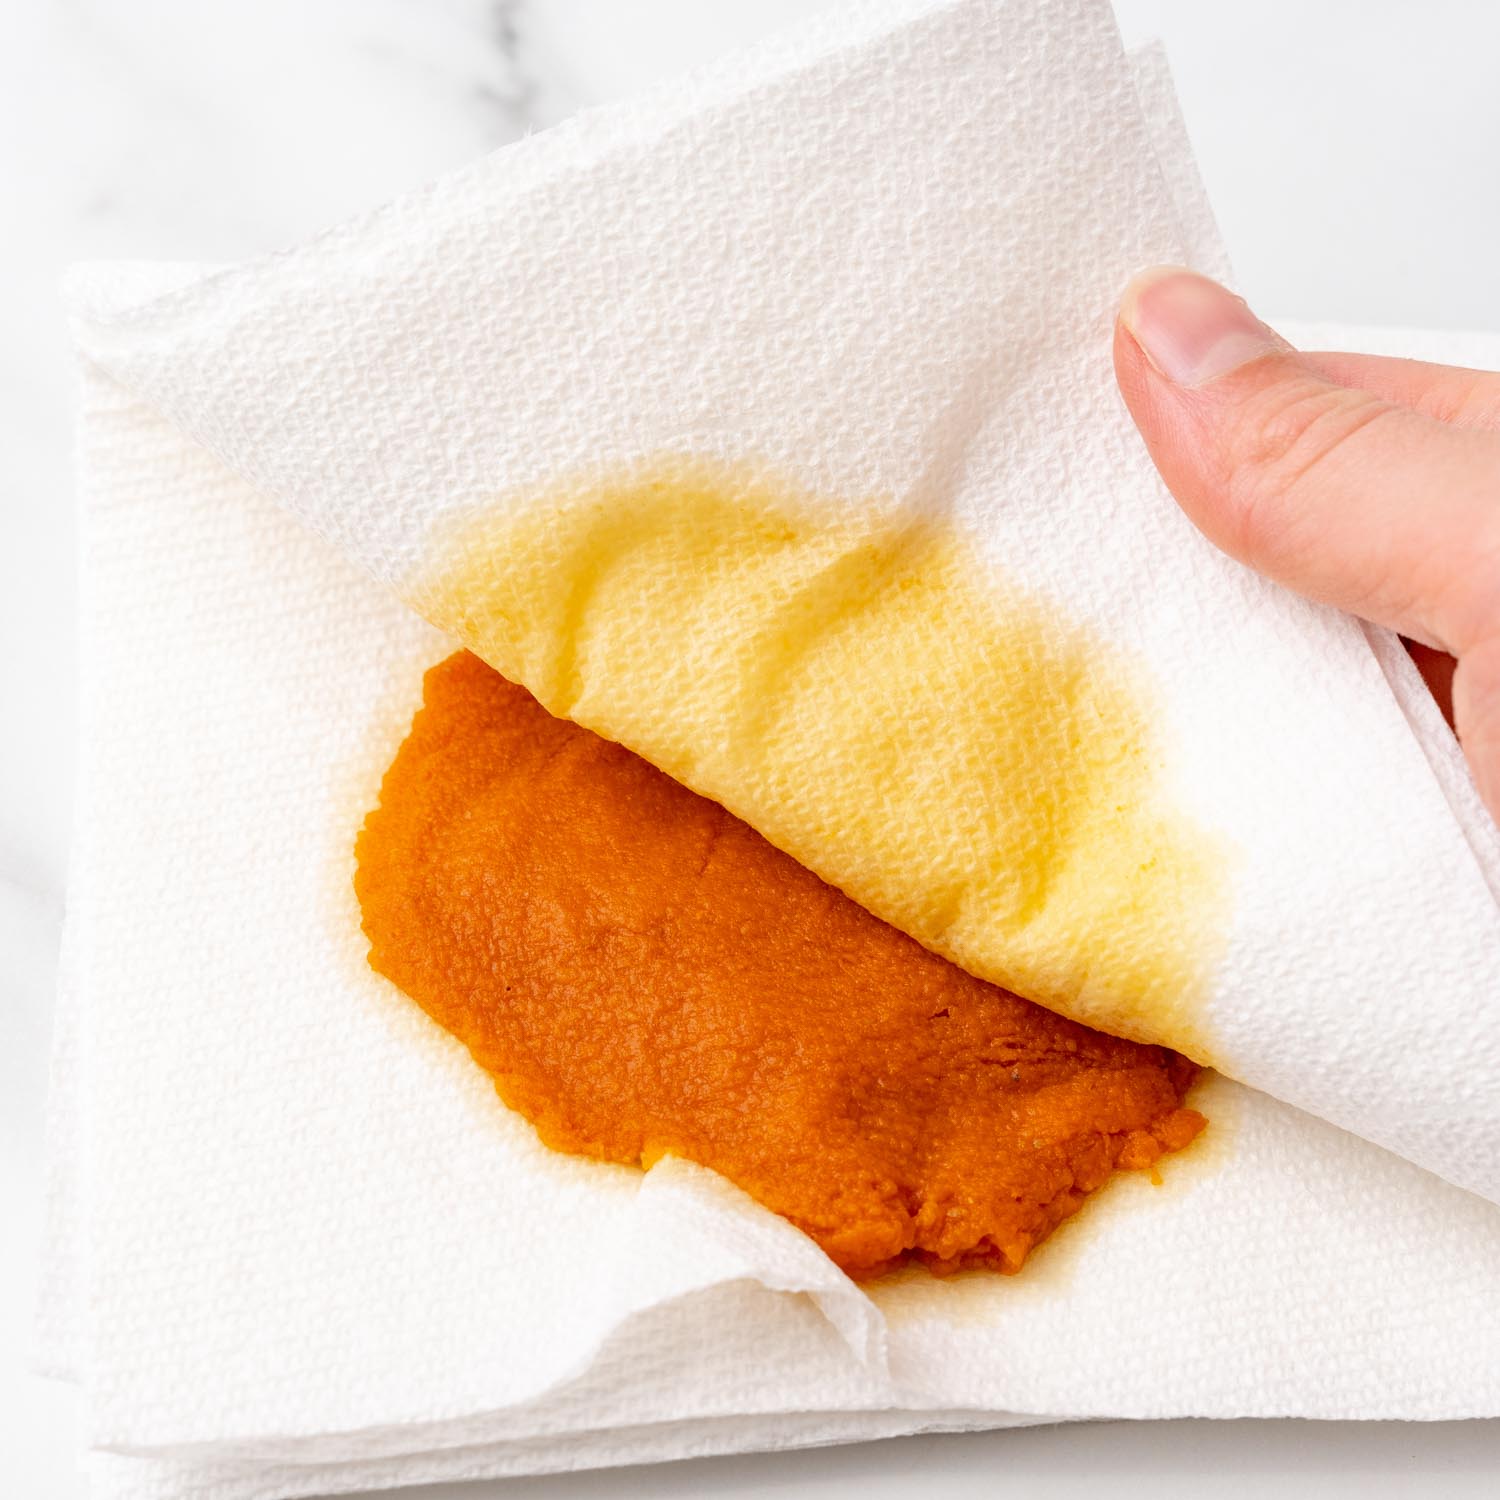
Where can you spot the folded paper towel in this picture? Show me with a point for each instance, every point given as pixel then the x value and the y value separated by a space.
pixel 950 643
pixel 308 1250
pixel 299 1247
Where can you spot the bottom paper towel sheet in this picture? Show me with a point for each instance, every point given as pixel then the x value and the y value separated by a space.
pixel 298 1246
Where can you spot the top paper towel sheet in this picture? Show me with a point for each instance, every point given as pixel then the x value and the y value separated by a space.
pixel 877 262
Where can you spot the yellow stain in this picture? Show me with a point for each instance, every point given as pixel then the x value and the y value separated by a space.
pixel 939 744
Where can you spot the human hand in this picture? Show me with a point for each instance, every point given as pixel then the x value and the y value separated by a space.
pixel 1371 483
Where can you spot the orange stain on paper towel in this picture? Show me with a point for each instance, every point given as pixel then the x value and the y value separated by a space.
pixel 643 974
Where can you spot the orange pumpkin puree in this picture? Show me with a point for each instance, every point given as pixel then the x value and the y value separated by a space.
pixel 643 974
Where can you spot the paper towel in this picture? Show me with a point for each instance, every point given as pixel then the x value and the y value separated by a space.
pixel 316 1254
pixel 879 261
pixel 311 1251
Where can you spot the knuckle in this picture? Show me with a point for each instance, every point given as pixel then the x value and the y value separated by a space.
pixel 1288 438
pixel 1474 402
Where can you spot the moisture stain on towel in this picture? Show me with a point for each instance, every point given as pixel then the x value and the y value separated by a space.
pixel 871 696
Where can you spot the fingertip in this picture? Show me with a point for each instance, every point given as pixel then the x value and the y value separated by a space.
pixel 1192 330
pixel 1141 283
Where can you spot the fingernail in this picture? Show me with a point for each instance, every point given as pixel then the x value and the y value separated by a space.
pixel 1192 329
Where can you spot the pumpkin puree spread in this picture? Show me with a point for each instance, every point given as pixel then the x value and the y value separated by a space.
pixel 643 974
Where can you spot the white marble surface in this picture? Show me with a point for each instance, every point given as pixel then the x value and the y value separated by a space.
pixel 1348 149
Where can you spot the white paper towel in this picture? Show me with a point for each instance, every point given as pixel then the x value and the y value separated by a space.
pixel 309 1252
pixel 881 258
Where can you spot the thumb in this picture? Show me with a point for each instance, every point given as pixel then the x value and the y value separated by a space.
pixel 1361 502
pixel 1343 496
